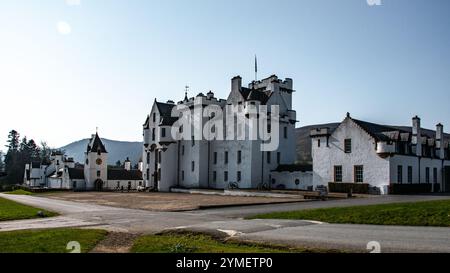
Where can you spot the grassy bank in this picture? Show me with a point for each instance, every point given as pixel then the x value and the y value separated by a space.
pixel 430 213
pixel 10 210
pixel 49 241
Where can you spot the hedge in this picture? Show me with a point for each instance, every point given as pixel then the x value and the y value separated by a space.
pixel 361 188
pixel 411 188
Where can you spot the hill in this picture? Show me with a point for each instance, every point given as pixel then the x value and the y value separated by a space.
pixel 117 150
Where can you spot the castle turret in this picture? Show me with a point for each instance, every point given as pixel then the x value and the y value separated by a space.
pixel 96 164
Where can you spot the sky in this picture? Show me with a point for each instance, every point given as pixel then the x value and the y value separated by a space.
pixel 69 66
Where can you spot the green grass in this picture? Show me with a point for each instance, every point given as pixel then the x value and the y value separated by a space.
pixel 430 213
pixel 10 210
pixel 49 241
pixel 20 192
pixel 201 243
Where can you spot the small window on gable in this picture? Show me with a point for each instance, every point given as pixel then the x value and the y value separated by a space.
pixel 348 146
pixel 318 143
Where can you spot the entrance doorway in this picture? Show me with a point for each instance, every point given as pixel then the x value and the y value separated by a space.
pixel 98 185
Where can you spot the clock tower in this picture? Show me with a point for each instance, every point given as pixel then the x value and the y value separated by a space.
pixel 96 164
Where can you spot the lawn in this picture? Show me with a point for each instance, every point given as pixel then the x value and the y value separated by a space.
pixel 201 243
pixel 49 241
pixel 19 192
pixel 10 210
pixel 430 213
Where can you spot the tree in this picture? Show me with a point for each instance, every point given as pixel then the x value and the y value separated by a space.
pixel 118 163
pixel 12 159
pixel 45 152
pixel 2 164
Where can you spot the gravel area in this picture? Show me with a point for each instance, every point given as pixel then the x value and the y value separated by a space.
pixel 164 201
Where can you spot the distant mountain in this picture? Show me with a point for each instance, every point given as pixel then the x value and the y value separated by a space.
pixel 117 150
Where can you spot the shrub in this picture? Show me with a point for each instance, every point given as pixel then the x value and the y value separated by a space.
pixel 361 188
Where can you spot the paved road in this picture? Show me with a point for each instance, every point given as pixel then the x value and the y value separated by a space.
pixel 228 220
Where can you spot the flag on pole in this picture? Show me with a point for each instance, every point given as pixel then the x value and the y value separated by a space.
pixel 256 68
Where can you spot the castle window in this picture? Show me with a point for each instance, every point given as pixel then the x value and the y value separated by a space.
pixel 410 174
pixel 297 182
pixel 214 176
pixel 215 158
pixel 269 155
pixel 98 173
pixel 239 176
pixel 226 157
pixel 153 134
pixel 159 157
pixel 99 152
pixel 192 141
pixel 400 174
pixel 193 166
pixel 427 175
pixel 239 159
pixel 163 132
pixel 182 150
pixel 269 128
pixel 348 146
pixel 154 117
pixel 435 175
pixel 285 132
pixel 359 174
pixel 225 176
pixel 337 173
pixel 318 143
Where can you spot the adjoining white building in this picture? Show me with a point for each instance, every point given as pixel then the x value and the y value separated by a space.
pixel 64 174
pixel 390 159
pixel 219 164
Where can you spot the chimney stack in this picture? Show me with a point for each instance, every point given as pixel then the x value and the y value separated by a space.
pixel 440 140
pixel 236 83
pixel 128 164
pixel 417 135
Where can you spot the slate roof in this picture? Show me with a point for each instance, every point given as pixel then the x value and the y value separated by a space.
pixel 377 131
pixel 97 145
pixel 76 173
pixel 254 94
pixel 165 109
pixel 122 174
pixel 168 121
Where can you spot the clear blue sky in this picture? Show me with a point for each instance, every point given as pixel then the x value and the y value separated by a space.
pixel 381 63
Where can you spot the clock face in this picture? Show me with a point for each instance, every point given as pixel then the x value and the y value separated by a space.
pixel 99 161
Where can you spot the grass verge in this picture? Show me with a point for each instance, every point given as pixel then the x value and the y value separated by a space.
pixel 10 210
pixel 429 213
pixel 202 243
pixel 49 241
pixel 19 192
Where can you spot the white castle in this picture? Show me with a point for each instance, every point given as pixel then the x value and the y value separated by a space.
pixel 219 164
